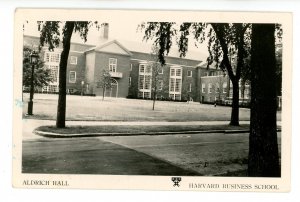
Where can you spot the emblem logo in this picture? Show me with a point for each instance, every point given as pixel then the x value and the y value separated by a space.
pixel 176 181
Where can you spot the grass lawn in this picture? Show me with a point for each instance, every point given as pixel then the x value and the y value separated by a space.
pixel 112 109
pixel 134 129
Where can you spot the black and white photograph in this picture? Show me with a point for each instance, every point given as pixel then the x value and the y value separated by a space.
pixel 159 100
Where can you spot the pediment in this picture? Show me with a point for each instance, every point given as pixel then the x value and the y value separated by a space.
pixel 113 47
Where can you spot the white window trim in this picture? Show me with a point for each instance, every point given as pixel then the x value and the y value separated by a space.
pixel 203 88
pixel 210 88
pixel 161 72
pixel 116 65
pixel 160 87
pixel 73 63
pixel 70 77
pixel 188 73
pixel 224 89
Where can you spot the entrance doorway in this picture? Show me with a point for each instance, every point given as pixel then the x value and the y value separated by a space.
pixel 113 91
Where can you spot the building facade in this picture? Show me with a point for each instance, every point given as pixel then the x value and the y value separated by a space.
pixel 132 73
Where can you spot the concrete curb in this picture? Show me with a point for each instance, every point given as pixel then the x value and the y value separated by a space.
pixel 74 135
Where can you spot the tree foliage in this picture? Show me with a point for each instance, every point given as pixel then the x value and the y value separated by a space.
pixel 42 74
pixel 51 33
pixel 156 67
pixel 104 82
pixel 224 41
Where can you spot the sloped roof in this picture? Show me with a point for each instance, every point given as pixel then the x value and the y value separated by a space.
pixel 105 44
pixel 143 47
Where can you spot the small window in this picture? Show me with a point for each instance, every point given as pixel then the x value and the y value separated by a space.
pixel 142 68
pixel 172 72
pixel 203 88
pixel 72 77
pixel 178 72
pixel 160 70
pixel 130 81
pixel 217 88
pixel 130 67
pixel 148 69
pixel 209 88
pixel 73 60
pixel 47 57
pixel 189 73
pixel 160 85
pixel 112 64
pixel 224 87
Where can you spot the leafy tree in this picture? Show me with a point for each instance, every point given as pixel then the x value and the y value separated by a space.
pixel 224 40
pixel 105 82
pixel 50 33
pixel 42 75
pixel 263 147
pixel 155 69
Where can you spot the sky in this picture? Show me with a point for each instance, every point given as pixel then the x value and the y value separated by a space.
pixel 118 29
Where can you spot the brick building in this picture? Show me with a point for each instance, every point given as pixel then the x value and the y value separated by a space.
pixel 131 75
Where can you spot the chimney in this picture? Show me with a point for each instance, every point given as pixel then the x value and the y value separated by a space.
pixel 104 31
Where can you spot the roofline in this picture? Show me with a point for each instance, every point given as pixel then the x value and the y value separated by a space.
pixel 77 43
pixel 182 58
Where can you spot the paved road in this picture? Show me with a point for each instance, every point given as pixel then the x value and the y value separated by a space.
pixel 196 154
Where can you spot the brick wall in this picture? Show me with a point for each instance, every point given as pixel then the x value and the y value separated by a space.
pixel 123 66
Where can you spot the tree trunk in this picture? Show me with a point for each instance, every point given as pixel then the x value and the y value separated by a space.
pixel 235 103
pixel 154 98
pixel 263 148
pixel 103 93
pixel 61 107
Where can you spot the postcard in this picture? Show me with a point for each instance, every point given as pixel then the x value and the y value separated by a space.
pixel 152 100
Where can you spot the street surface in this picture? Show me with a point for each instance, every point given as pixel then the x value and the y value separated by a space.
pixel 193 154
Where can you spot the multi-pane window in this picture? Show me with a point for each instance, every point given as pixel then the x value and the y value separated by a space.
pixel 224 87
pixel 112 64
pixel 172 84
pixel 175 82
pixel 73 60
pixel 54 72
pixel 172 72
pixel 217 88
pixel 52 57
pixel 178 72
pixel 47 57
pixel 72 77
pixel 141 81
pixel 203 87
pixel 246 93
pixel 142 68
pixel 189 73
pixel 145 74
pixel 175 85
pixel 148 69
pixel 160 85
pixel 53 88
pixel 147 85
pixel 209 88
pixel 178 85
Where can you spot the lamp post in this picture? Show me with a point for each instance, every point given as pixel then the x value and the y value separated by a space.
pixel 82 86
pixel 33 60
